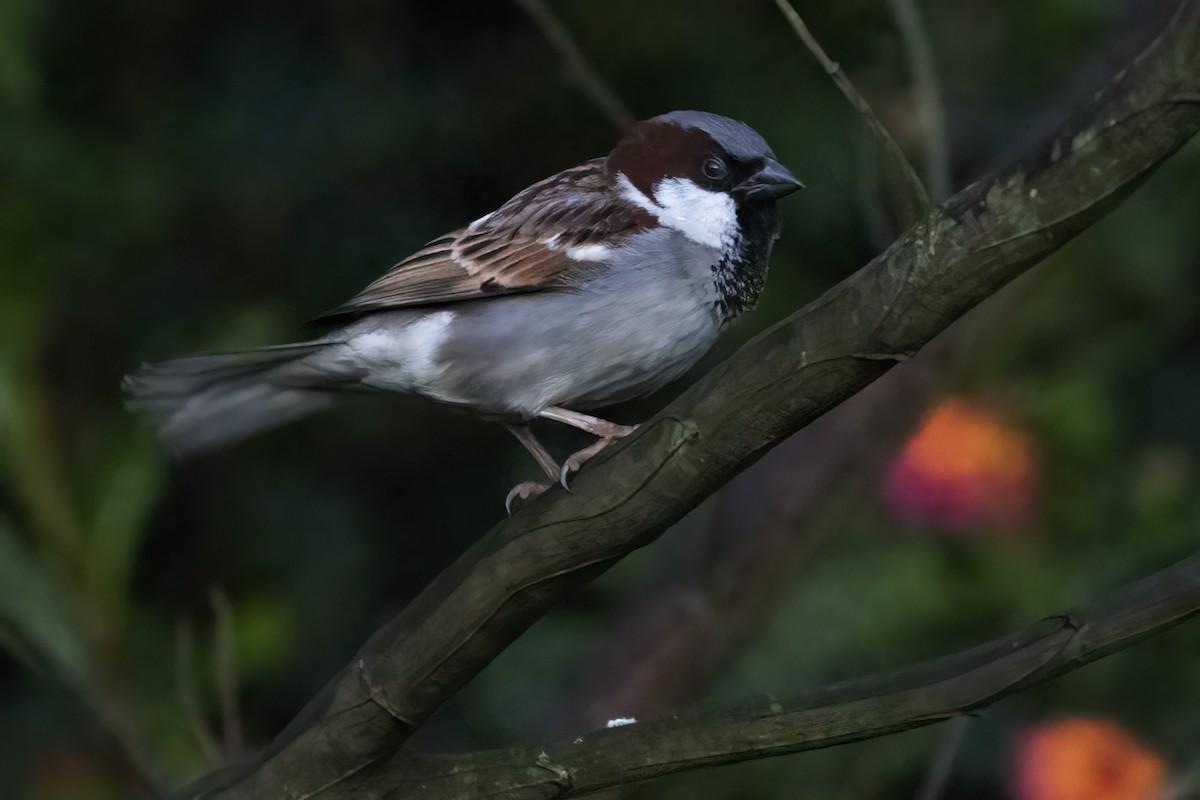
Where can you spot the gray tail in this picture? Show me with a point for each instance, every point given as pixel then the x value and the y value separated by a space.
pixel 205 402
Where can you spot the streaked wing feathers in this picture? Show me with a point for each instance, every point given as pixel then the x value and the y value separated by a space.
pixel 531 243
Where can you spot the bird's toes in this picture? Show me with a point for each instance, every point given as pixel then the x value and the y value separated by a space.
pixel 611 430
pixel 575 461
pixel 564 474
pixel 524 492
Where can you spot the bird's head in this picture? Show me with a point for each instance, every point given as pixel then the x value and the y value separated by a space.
pixel 699 173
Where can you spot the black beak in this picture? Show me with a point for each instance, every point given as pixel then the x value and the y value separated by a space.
pixel 769 183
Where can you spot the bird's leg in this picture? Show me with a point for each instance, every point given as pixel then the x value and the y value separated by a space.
pixel 607 431
pixel 586 422
pixel 546 461
pixel 530 489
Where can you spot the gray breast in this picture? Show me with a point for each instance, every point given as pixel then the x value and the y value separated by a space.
pixel 638 322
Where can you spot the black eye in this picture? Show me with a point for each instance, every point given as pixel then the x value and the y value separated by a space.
pixel 715 169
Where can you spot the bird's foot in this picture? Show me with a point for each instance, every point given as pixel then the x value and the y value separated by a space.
pixel 576 460
pixel 611 430
pixel 524 492
pixel 586 422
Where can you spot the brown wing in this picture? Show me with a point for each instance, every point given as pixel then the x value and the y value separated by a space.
pixel 531 243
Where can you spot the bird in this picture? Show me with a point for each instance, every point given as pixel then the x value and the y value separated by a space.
pixel 599 284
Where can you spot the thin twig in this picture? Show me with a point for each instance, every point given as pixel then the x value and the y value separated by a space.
pixel 881 229
pixel 938 777
pixel 928 91
pixel 225 667
pixel 119 722
pixel 910 200
pixel 189 698
pixel 578 68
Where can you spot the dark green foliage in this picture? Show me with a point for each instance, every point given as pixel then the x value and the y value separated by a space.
pixel 206 175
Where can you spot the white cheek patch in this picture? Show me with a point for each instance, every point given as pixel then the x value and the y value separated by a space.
pixel 706 217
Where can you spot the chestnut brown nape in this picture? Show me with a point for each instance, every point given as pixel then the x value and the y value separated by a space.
pixel 655 150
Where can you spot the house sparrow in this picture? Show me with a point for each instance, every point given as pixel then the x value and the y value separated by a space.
pixel 596 285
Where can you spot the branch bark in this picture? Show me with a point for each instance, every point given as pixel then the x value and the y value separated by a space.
pixel 932 691
pixel 957 255
pixel 713 592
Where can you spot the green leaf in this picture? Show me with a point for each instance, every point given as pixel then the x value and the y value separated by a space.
pixel 127 491
pixel 34 621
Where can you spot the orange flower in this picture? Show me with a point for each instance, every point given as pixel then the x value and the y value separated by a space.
pixel 964 469
pixel 1082 759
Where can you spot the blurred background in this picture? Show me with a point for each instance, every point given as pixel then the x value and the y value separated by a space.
pixel 205 175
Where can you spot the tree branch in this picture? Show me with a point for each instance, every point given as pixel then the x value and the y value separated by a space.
pixel 225 670
pixel 956 256
pixel 189 697
pixel 908 197
pixel 938 776
pixel 579 70
pixel 695 613
pixel 932 691
pixel 927 88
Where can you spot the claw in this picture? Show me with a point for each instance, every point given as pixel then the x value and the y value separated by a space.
pixel 525 491
pixel 576 460
pixel 608 432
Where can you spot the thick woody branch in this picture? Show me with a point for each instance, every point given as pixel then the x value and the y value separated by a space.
pixel 715 588
pixel 957 255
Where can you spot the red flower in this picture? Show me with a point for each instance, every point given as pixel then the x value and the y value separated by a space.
pixel 964 469
pixel 1082 759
